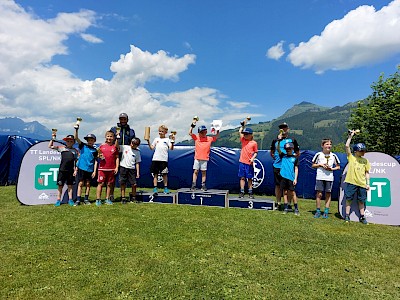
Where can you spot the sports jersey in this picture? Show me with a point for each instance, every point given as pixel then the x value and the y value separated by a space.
pixel 87 156
pixel 288 162
pixel 110 154
pixel 249 147
pixel 162 146
pixel 356 170
pixel 274 149
pixel 202 146
pixel 68 158
pixel 129 157
pixel 321 158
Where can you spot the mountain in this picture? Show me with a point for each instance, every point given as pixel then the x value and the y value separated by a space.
pixel 309 124
pixel 16 126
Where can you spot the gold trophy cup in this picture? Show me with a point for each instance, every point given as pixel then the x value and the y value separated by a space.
pixel 147 133
pixel 172 134
pixel 195 119
pixel 100 153
pixel 53 133
pixel 356 131
pixel 117 132
pixel 78 120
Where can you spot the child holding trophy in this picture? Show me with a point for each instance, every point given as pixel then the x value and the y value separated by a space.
pixel 129 169
pixel 357 177
pixel 325 162
pixel 201 152
pixel 247 156
pixel 86 165
pixel 66 173
pixel 108 167
pixel 159 164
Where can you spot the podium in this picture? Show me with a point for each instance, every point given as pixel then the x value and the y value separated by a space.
pixel 204 198
pixel 257 203
pixel 148 197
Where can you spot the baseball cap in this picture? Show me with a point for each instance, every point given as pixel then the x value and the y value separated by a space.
pixel 283 125
pixel 69 137
pixel 289 146
pixel 90 135
pixel 359 147
pixel 202 128
pixel 247 130
pixel 123 115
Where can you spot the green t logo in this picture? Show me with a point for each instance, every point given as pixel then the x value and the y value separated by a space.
pixel 379 193
pixel 46 177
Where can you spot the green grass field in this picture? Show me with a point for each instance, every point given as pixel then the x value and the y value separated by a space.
pixel 164 251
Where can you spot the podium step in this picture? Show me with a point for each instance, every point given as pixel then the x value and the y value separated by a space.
pixel 210 197
pixel 257 203
pixel 148 197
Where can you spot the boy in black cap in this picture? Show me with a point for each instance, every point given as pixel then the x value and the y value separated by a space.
pixel 66 172
pixel 87 164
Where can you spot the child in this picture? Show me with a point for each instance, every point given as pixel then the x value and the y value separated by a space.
pixel 159 164
pixel 66 172
pixel 357 178
pixel 86 165
pixel 129 168
pixel 108 167
pixel 247 156
pixel 289 172
pixel 325 162
pixel 201 154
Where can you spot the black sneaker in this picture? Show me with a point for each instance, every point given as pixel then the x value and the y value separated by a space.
pixel 203 187
pixel 77 203
pixel 193 187
pixel 86 202
pixel 241 195
pixel 251 196
pixel 123 201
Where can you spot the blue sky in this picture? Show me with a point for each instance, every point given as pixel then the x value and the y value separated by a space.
pixel 166 61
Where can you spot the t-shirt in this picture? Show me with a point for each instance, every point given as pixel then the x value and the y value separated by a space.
pixel 87 156
pixel 129 157
pixel 162 146
pixel 110 154
pixel 249 147
pixel 274 149
pixel 68 158
pixel 357 167
pixel 321 158
pixel 202 146
pixel 288 162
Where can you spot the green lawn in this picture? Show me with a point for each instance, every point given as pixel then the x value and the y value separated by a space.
pixel 164 251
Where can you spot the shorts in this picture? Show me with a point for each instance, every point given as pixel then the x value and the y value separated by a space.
pixel 277 176
pixel 287 184
pixel 84 175
pixel 127 175
pixel 200 165
pixel 350 190
pixel 246 171
pixel 106 177
pixel 159 167
pixel 65 177
pixel 323 185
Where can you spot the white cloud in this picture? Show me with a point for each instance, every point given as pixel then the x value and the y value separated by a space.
pixel 91 38
pixel 364 36
pixel 276 52
pixel 33 88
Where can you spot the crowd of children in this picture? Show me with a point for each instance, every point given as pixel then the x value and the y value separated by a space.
pixel 120 154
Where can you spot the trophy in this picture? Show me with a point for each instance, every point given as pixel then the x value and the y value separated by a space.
pixel 327 158
pixel 100 153
pixel 281 131
pixel 78 121
pixel 147 133
pixel 356 131
pixel 172 135
pixel 117 132
pixel 53 133
pixel 244 122
pixel 195 120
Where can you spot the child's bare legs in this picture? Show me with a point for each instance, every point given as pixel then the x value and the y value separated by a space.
pixel 134 190
pixel 194 178
pixel 361 207
pixel 155 180
pixel 110 187
pixel 318 197
pixel 123 188
pixel 203 176
pixel 80 187
pixel 59 192
pixel 99 190
pixel 70 192
pixel 278 194
pixel 165 180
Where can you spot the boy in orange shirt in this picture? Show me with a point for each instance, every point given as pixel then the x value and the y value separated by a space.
pixel 201 154
pixel 247 156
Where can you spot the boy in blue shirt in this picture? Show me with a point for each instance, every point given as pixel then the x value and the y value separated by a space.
pixel 86 165
pixel 289 172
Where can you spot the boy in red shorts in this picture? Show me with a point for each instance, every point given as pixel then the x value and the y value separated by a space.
pixel 108 167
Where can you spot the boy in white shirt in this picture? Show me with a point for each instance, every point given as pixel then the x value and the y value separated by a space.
pixel 325 162
pixel 159 164
pixel 129 169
